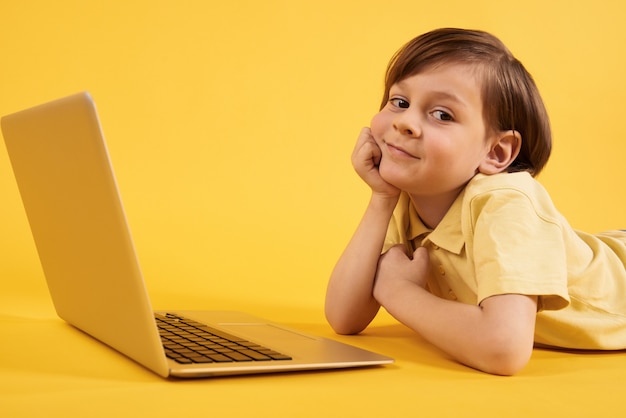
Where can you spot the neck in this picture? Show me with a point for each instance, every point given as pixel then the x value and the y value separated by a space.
pixel 432 209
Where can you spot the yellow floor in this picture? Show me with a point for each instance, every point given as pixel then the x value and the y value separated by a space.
pixel 80 377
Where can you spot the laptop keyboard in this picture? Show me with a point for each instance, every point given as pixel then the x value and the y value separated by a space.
pixel 187 341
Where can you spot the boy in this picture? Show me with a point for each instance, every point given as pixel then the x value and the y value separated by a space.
pixel 475 257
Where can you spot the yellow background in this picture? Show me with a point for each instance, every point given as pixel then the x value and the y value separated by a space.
pixel 230 126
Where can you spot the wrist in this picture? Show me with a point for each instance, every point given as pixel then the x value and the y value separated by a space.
pixel 400 297
pixel 391 291
pixel 384 201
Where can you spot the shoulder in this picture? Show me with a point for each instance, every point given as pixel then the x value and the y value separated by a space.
pixel 504 214
pixel 510 190
pixel 522 182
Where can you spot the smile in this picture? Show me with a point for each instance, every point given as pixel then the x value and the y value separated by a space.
pixel 398 151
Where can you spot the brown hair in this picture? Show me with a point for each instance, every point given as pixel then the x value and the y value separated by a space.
pixel 511 100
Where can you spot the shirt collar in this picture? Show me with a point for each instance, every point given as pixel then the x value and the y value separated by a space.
pixel 447 235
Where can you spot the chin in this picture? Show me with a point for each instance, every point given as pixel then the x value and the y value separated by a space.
pixel 393 177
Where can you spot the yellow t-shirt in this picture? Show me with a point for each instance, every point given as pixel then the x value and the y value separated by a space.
pixel 503 235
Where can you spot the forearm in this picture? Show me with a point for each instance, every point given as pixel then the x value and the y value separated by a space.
pixel 496 337
pixel 350 304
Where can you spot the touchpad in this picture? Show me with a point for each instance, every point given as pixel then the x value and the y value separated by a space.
pixel 265 333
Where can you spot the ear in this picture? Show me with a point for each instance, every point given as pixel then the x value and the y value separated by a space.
pixel 505 146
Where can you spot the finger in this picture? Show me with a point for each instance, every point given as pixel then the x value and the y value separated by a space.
pixel 376 154
pixel 421 255
pixel 399 251
pixel 364 137
pixel 366 132
pixel 366 151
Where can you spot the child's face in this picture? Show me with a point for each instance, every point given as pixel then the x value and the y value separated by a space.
pixel 431 132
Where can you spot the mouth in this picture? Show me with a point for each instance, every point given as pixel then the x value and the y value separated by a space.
pixel 396 150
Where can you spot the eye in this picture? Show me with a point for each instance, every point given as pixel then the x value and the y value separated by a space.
pixel 442 116
pixel 399 103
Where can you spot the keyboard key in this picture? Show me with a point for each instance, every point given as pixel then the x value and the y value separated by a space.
pixel 187 341
pixel 238 356
pixel 255 355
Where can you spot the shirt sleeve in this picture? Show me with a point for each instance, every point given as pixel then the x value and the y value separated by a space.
pixel 399 226
pixel 518 248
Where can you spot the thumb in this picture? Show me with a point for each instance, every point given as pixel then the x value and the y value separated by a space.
pixel 421 255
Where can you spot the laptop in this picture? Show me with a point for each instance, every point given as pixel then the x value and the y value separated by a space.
pixel 68 188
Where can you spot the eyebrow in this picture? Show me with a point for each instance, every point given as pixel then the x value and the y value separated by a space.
pixel 439 94
pixel 447 95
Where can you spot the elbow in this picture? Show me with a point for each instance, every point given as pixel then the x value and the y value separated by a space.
pixel 350 320
pixel 506 359
pixel 506 366
pixel 346 329
pixel 344 324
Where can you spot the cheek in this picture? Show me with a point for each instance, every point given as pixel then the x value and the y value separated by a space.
pixel 379 125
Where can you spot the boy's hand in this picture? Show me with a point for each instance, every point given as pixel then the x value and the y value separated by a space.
pixel 366 159
pixel 396 270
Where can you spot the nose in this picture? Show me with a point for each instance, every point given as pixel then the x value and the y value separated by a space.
pixel 408 123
